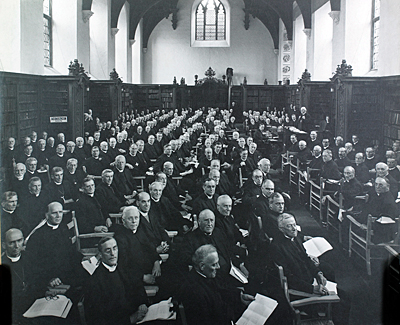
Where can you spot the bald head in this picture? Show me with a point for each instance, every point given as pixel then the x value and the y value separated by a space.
pixel 13 242
pixel 206 221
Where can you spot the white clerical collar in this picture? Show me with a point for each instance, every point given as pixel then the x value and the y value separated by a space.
pixel 109 267
pixel 317 156
pixel 91 195
pixel 20 178
pixel 144 214
pixel 60 155
pixel 291 238
pixel 54 227
pixel 371 158
pixel 8 211
pixel 58 184
pixel 155 199
pixel 14 259
pixel 201 274
pixel 30 172
pixel 120 170
pixel 209 197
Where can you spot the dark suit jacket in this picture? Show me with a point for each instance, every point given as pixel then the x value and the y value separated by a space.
pixel 203 202
pixel 135 251
pixel 299 270
pixel 206 302
pixel 167 215
pixel 111 297
pixel 108 199
pixel 54 256
pixel 88 213
pixel 197 238
pixel 330 170
pixel 123 183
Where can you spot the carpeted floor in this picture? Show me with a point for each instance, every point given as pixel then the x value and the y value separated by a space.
pixel 351 274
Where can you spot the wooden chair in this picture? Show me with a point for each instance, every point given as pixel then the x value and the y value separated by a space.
pixel 332 209
pixel 76 239
pixel 307 300
pixel 293 171
pixel 316 193
pixel 140 179
pixel 117 217
pixel 360 240
pixel 242 179
pixel 302 183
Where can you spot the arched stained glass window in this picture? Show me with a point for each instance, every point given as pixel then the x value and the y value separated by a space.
pixel 210 21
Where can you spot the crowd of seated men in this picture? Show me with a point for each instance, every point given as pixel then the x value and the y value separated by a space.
pixel 178 172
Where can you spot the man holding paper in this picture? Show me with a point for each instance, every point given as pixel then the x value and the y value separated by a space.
pixel 205 300
pixel 301 271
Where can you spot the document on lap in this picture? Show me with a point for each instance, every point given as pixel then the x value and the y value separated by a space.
pixel 160 311
pixel 258 311
pixel 317 246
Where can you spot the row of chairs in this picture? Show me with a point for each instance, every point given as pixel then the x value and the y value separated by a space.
pixel 328 209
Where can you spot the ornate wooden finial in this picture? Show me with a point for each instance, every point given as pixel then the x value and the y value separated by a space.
pixel 76 69
pixel 343 70
pixel 210 73
pixel 114 75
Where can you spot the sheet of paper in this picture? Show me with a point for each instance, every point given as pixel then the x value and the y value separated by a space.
pixel 385 220
pixel 237 274
pixel 42 307
pixel 161 310
pixel 331 286
pixel 258 311
pixel 91 264
pixel 317 246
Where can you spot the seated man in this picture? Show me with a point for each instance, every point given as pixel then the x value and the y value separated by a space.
pixel 58 189
pixel 106 196
pixel 149 225
pixel 380 203
pixel 287 250
pixel 88 210
pixel 73 174
pixel 9 214
pixel 137 253
pixel 166 214
pixel 362 172
pixel 342 161
pixel 206 233
pixel 56 260
pixel 329 168
pixel 206 200
pixel 205 299
pixel 19 183
pixel 16 259
pixel 123 184
pixel 32 207
pixel 227 223
pixel 112 296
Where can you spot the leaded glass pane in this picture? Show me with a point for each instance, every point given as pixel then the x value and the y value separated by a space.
pixel 46 7
pixel 377 8
pixel 210 21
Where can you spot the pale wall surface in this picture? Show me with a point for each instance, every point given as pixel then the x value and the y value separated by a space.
pixel 169 54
